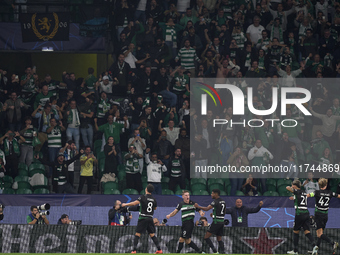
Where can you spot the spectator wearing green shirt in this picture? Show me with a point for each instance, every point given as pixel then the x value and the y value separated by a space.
pixel 113 129
pixel 90 80
pixel 42 97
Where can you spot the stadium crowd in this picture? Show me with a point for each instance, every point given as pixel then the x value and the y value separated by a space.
pixel 133 120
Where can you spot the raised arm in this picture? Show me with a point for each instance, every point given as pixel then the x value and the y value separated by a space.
pixel 207 208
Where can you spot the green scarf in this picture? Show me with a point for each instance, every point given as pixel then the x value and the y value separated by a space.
pixel 15 147
pixel 70 118
pixel 171 36
pixel 280 34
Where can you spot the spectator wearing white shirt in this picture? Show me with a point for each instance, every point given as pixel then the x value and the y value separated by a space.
pixel 310 185
pixel 154 171
pixel 171 130
pixel 254 31
pixel 106 85
pixel 131 59
pixel 139 144
pixel 259 155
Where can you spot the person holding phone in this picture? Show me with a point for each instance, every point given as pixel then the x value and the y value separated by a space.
pixel 87 162
pixel 26 148
pixel 140 145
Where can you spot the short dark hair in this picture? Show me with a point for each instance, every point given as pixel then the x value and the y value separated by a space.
pixel 70 142
pixel 90 70
pixel 33 207
pixel 204 218
pixel 216 191
pixel 150 188
pixel 64 216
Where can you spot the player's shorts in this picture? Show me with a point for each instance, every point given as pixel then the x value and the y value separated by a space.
pixel 302 221
pixel 187 228
pixel 145 224
pixel 216 229
pixel 321 220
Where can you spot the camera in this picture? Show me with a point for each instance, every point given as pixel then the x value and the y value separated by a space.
pixel 164 221
pixel 200 223
pixel 226 222
pixel 75 222
pixel 44 207
pixel 2 207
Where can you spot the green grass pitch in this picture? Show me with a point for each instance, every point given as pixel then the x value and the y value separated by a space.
pixel 110 253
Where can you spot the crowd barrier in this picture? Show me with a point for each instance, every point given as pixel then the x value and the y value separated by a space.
pixel 115 239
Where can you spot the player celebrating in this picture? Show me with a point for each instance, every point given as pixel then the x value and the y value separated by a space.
pixel 148 205
pixel 322 199
pixel 301 215
pixel 218 220
pixel 187 209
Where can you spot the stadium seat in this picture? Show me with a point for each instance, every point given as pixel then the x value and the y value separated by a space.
pixel 42 186
pixel 22 166
pixel 110 185
pixel 216 186
pixel 24 185
pixel 34 166
pixel 165 180
pixel 111 192
pixel 36 171
pixel 179 192
pixel 271 182
pixel 239 193
pixel 7 178
pixel 167 192
pixel 284 182
pixel 227 189
pixel 271 187
pixel 8 191
pixel 23 172
pixel 21 179
pixel 144 184
pixel 144 178
pixel 283 191
pixel 223 193
pixel 41 191
pixel 97 145
pixel 121 167
pixel 121 175
pixel 271 194
pixel 215 180
pixel 226 182
pixel 142 192
pixel 198 180
pixel 23 191
pixel 198 186
pixel 165 185
pixel 130 192
pixel 7 185
pixel 101 156
pixel 200 193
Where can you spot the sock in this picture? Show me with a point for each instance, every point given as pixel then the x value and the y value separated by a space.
pixel 180 247
pixel 221 246
pixel 311 239
pixel 194 246
pixel 318 242
pixel 135 242
pixel 209 242
pixel 155 240
pixel 296 242
pixel 326 238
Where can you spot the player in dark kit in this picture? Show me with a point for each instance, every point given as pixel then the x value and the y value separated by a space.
pixel 322 199
pixel 145 221
pixel 218 220
pixel 301 215
pixel 188 210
